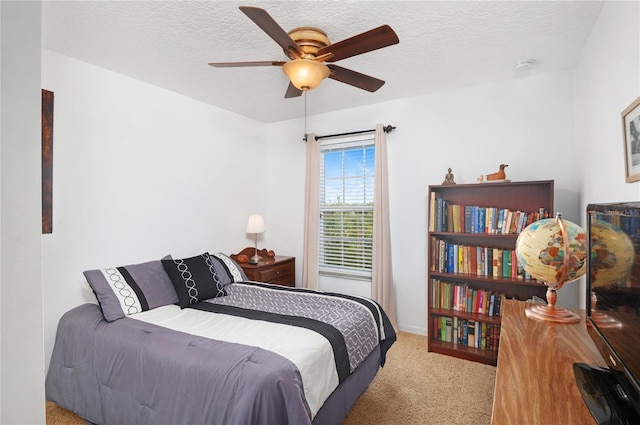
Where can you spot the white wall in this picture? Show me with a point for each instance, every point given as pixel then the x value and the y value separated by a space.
pixel 139 172
pixel 526 123
pixel 21 315
pixel 608 80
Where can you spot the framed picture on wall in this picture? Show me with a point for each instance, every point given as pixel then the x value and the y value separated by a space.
pixel 631 138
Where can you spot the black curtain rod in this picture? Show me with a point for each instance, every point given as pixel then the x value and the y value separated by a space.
pixel 387 129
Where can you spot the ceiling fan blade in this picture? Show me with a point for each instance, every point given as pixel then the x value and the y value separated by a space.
pixel 292 91
pixel 374 39
pixel 353 78
pixel 239 64
pixel 262 19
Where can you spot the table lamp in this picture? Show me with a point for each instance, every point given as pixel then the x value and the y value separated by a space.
pixel 255 225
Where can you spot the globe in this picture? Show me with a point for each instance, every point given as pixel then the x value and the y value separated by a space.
pixel 554 251
pixel 541 252
pixel 612 254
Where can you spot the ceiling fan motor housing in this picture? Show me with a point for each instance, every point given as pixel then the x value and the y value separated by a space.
pixel 310 41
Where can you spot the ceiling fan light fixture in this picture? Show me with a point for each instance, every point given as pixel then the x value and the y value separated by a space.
pixel 305 74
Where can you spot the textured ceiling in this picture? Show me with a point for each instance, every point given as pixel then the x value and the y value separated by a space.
pixel 443 44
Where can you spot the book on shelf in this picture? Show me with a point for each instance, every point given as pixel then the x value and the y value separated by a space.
pixel 455 331
pixel 465 332
pixel 432 212
pixel 483 335
pixel 440 220
pixel 495 337
pixel 473 260
pixel 506 262
pixel 500 221
pixel 454 218
pixel 496 270
pixel 482 220
pixel 492 302
pixel 522 222
pixel 470 216
pixel 498 305
pixel 488 220
pixel 506 227
pixel 479 302
pixel 471 333
pixel 450 259
pixel 489 262
pixel 469 300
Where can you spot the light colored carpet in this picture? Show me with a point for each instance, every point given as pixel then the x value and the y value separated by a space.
pixel 56 415
pixel 421 388
pixel 414 387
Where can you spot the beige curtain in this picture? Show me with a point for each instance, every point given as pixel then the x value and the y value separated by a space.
pixel 311 214
pixel 382 289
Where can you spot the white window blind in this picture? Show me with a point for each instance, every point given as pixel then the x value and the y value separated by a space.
pixel 346 208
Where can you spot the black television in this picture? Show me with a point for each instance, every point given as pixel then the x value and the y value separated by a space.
pixel 613 313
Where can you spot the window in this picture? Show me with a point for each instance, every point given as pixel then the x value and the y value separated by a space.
pixel 346 208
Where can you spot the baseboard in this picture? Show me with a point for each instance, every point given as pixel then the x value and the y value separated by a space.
pixel 413 329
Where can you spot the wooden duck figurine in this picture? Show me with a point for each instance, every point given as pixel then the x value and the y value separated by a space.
pixel 500 175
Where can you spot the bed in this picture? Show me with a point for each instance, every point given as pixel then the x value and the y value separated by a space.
pixel 163 347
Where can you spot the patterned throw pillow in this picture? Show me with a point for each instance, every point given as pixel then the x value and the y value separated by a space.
pixel 123 291
pixel 194 279
pixel 228 270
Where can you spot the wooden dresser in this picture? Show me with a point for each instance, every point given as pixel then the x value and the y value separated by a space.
pixel 534 381
pixel 280 270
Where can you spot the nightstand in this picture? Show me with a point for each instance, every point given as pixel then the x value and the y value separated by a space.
pixel 280 269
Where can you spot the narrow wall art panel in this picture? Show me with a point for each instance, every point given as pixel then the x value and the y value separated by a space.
pixel 47 161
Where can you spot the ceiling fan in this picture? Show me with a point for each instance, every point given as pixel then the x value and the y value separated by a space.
pixel 309 49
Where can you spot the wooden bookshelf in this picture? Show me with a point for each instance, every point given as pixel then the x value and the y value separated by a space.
pixel 461 265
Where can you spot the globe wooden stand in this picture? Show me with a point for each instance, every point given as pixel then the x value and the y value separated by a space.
pixel 550 312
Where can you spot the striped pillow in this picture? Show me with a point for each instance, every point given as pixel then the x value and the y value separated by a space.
pixel 123 291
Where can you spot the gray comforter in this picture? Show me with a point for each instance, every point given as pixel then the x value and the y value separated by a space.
pixel 132 372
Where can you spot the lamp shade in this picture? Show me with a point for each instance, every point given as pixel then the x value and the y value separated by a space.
pixel 305 74
pixel 255 224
